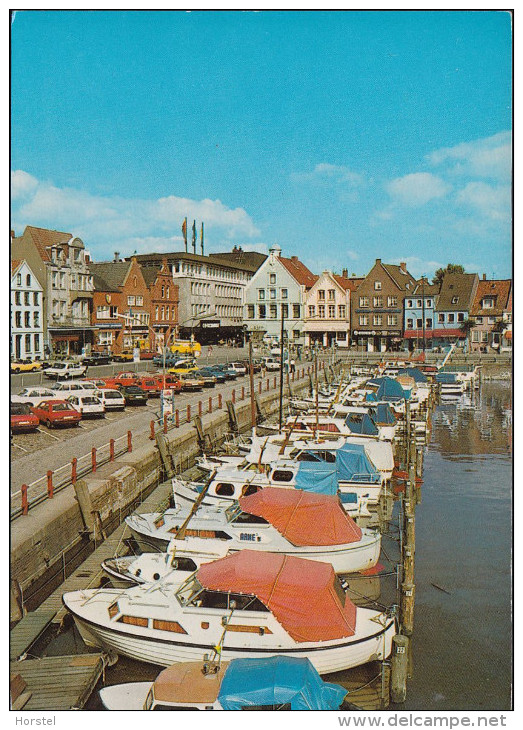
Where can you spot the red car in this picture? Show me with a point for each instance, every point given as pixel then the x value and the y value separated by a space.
pixel 172 382
pixel 150 385
pixel 22 419
pixel 147 354
pixel 57 413
pixel 124 378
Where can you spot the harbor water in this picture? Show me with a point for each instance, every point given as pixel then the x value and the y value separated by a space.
pixel 462 642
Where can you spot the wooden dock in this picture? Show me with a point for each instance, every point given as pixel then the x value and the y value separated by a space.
pixel 367 686
pixel 54 683
pixel 27 632
pixel 90 573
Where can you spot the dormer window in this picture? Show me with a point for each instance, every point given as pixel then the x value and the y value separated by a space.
pixel 377 285
pixel 455 300
pixel 487 303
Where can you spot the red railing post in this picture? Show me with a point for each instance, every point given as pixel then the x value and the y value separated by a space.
pixel 165 422
pixel 268 384
pixel 233 396
pixel 25 503
pixel 129 441
pixel 243 392
pixel 188 412
pixel 93 459
pixel 177 418
pixel 210 404
pixel 111 450
pixel 275 381
pixel 151 436
pixel 50 489
pixel 260 387
pixel 219 400
pixel 73 470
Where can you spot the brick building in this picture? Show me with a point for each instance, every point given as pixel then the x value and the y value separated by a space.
pixel 454 302
pixel 163 296
pixel 487 324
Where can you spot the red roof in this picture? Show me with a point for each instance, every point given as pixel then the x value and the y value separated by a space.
pixel 302 594
pixel 43 239
pixel 302 517
pixel 347 283
pixel 15 263
pixel 498 290
pixel 299 271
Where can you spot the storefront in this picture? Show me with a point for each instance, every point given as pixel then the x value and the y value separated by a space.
pixel 66 343
pixel 378 340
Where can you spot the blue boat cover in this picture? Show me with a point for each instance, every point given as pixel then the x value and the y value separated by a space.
pixel 277 680
pixel 448 378
pixel 353 465
pixel 391 390
pixel 415 374
pixel 383 415
pixel 361 423
pixel 317 476
pixel 370 397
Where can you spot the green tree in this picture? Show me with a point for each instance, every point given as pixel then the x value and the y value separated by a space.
pixel 450 269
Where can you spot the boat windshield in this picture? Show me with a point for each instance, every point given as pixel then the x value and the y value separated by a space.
pixel 232 512
pixel 189 591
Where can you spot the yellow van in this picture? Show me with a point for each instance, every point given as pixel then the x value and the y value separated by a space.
pixel 186 347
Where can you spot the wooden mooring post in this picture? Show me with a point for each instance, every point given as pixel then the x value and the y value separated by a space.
pixel 399 669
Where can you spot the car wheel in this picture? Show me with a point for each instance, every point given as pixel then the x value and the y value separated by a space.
pixel 48 423
pixel 16 371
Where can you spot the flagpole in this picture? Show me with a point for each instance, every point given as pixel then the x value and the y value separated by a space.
pixel 201 239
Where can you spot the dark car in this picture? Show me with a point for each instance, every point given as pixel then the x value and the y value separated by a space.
pixel 97 358
pixel 209 379
pixel 133 395
pixel 22 418
pixel 218 374
pixel 228 372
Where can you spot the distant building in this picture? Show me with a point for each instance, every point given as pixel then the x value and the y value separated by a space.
pixel 419 305
pixel 327 311
pixel 454 302
pixel 27 328
pixel 164 303
pixel 377 313
pixel 279 286
pixel 488 315
pixel 60 263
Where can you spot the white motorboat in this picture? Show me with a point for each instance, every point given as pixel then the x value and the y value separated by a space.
pixel 289 522
pixel 274 683
pixel 249 604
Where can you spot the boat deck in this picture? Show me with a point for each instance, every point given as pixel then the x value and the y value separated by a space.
pixel 56 683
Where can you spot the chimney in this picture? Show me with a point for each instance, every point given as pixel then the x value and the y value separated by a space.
pixel 403 267
pixel 116 257
pixel 295 259
pixel 345 273
pixel 484 277
pixel 378 261
pixel 12 235
pixel 87 258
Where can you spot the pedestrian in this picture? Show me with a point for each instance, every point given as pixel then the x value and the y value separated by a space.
pixel 209 351
pixel 293 365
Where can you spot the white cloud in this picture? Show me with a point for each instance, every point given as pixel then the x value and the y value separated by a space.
pixel 492 202
pixel 113 220
pixel 326 172
pixel 490 157
pixel 416 189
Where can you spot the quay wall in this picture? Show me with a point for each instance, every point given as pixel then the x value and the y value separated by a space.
pixel 58 534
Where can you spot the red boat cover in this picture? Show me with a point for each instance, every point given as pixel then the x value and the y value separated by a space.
pixel 304 518
pixel 304 596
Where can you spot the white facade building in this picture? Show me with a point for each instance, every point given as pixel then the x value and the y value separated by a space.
pixel 280 284
pixel 27 325
pixel 327 311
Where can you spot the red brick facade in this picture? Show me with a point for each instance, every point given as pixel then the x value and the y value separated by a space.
pixel 164 299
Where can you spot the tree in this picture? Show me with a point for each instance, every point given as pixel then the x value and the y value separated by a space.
pixel 450 269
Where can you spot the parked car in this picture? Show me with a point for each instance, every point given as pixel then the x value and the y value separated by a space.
pixel 238 367
pixel 150 385
pixel 90 406
pixel 133 395
pixel 25 366
pixel 32 396
pixel 190 381
pixel 113 400
pixel 209 379
pixel 125 378
pixel 147 355
pixel 187 366
pixel 97 383
pixel 57 413
pixel 124 356
pixel 65 371
pixel 97 358
pixel 172 381
pixel 271 363
pixel 229 373
pixel 80 387
pixel 22 418
pixel 218 374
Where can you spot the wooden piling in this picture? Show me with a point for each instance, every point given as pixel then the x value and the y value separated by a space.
pixel 83 497
pixel 399 669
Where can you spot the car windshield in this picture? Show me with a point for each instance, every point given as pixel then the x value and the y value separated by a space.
pixel 89 400
pixel 109 396
pixel 19 409
pixel 59 365
pixel 61 407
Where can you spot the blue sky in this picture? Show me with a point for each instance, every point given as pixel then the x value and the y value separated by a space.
pixel 343 137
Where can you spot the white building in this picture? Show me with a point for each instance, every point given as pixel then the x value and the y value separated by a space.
pixel 327 311
pixel 280 284
pixel 27 327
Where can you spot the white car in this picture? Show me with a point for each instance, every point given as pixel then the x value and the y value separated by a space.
pixel 65 370
pixel 113 400
pixel 237 367
pixel 88 405
pixel 271 363
pixel 63 390
pixel 33 396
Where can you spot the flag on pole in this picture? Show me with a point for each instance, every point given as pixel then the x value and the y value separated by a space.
pixel 194 236
pixel 201 238
pixel 184 231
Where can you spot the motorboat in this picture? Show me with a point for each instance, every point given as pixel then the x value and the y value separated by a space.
pixel 247 605
pixel 272 683
pixel 286 521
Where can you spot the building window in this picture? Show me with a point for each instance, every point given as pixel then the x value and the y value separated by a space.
pixel 364 320
pixel 342 311
pixel 105 338
pixel 341 336
pixel 18 319
pixel 37 343
pixel 455 300
pixel 410 324
pixel 19 279
pixel 419 303
pixel 479 320
pixel 484 336
pixel 285 311
pixel 475 336
pixel 272 293
pixel 296 311
pixel 441 318
pixel 321 311
pixel 261 293
pixel 27 343
pixel 27 321
pixel 378 301
pixel 36 319
pixel 139 301
pixel 28 280
pixel 428 323
pixel 392 320
pixel 131 301
pixel 429 303
pixel 450 317
pixel 272 278
pixel 377 285
pixel 284 293
pixel 487 303
pixel 419 323
pixel 27 300
pixel 409 303
pixel 18 298
pixel 392 301
pixel 377 320
pixel 321 293
pixel 332 295
pixel 312 310
pixel 261 311
pixel 273 309
pixel 332 311
pixel 364 301
pixel 35 298
pixel 250 311
pixel 461 316
pixel 491 320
